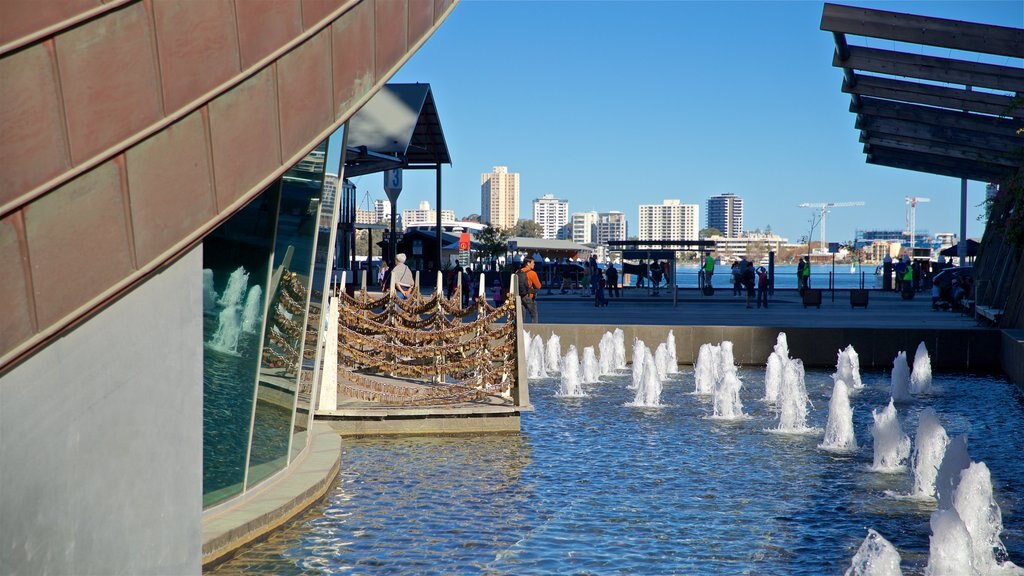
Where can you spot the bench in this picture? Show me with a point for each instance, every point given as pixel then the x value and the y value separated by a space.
pixel 989 313
pixel 858 297
pixel 812 297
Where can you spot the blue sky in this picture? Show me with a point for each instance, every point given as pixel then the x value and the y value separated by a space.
pixel 614 104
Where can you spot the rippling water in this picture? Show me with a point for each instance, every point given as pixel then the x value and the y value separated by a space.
pixel 591 486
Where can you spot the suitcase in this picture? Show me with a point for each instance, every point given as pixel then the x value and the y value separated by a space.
pixel 709 290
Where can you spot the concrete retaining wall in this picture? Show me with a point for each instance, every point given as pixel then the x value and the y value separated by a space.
pixel 952 350
pixel 1013 355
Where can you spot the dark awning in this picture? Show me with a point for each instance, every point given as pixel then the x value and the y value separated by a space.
pixel 942 115
pixel 398 128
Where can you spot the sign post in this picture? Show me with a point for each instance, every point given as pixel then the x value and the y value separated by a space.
pixel 393 187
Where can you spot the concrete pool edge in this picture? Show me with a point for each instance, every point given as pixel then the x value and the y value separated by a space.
pixel 255 515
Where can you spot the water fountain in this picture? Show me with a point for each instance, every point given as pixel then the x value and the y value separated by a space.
pixel 619 339
pixel 980 513
pixel 725 397
pixel 591 370
pixel 848 368
pixel 649 391
pixel 725 393
pixel 661 361
pixel 229 327
pixel 839 433
pixel 705 369
pixel 672 364
pixel 900 379
pixel 773 378
pixel 570 386
pixel 892 446
pixel 793 399
pixel 639 354
pixel 606 359
pixel 954 461
pixel 949 550
pixel 781 346
pixel 553 354
pixel 535 365
pixel 929 448
pixel 875 557
pixel 251 314
pixel 921 377
pixel 209 294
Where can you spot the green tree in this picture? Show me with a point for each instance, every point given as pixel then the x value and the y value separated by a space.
pixel 707 232
pixel 493 242
pixel 528 229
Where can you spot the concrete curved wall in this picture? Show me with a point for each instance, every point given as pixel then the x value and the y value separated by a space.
pixel 133 128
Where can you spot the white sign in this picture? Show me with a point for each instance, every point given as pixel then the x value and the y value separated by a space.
pixel 393 180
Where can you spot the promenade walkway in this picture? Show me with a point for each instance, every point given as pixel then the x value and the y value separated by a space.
pixel 637 306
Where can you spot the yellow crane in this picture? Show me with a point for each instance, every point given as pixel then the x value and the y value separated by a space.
pixel 823 209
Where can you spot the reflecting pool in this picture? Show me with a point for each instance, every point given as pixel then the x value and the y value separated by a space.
pixel 593 486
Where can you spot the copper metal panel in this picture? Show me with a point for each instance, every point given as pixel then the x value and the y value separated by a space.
pixel 16 321
pixel 19 18
pixel 304 89
pixel 245 138
pixel 198 48
pixel 353 56
pixel 265 26
pixel 77 242
pixel 33 148
pixel 169 181
pixel 439 8
pixel 421 18
pixel 391 29
pixel 313 11
pixel 108 76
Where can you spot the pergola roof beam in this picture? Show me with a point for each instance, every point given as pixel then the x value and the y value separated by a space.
pixel 914 29
pixel 933 68
pixel 932 95
pixel 900 128
pixel 955 170
pixel 938 116
pixel 960 152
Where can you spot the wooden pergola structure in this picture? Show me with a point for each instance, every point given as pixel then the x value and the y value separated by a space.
pixel 951 116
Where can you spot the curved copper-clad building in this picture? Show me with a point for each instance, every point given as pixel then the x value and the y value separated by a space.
pixel 165 212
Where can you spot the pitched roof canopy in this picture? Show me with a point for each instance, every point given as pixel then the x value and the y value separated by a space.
pixel 398 128
pixel 941 115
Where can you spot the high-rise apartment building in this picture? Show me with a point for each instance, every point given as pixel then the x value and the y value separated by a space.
pixel 424 215
pixel 383 210
pixel 327 199
pixel 611 226
pixel 499 198
pixel 551 214
pixel 670 220
pixel 584 227
pixel 725 213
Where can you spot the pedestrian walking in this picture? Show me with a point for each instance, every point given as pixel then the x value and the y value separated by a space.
pixel 762 287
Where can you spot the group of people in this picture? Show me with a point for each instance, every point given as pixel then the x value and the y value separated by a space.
pixel 746 278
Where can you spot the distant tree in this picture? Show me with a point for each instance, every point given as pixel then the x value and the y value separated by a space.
pixel 528 229
pixel 707 232
pixel 493 242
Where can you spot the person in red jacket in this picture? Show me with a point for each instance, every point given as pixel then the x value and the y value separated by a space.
pixel 762 287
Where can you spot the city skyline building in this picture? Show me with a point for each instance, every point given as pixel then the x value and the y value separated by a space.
pixel 611 226
pixel 670 220
pixel 382 209
pixel 584 227
pixel 725 214
pixel 499 198
pixel 425 215
pixel 552 215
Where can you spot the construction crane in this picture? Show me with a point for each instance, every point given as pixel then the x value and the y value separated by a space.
pixel 912 219
pixel 823 209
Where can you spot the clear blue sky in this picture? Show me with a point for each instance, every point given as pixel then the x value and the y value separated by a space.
pixel 614 104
